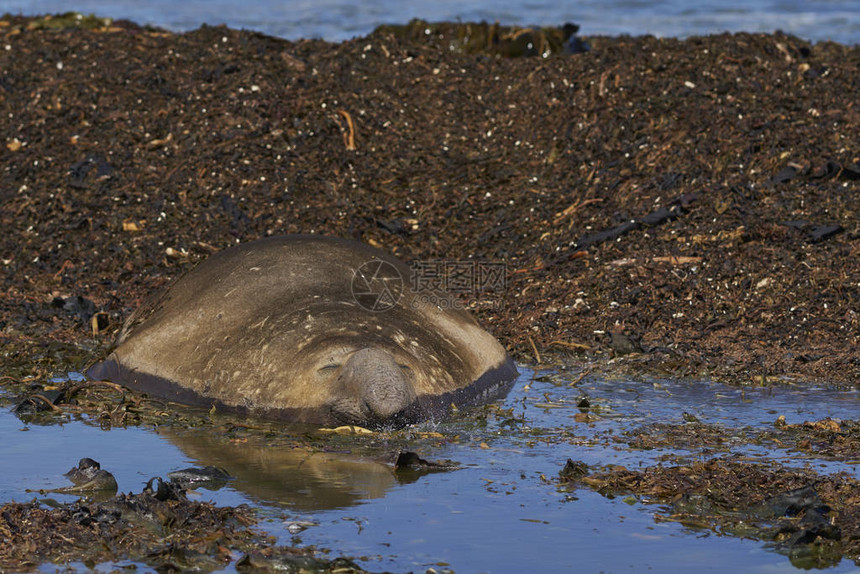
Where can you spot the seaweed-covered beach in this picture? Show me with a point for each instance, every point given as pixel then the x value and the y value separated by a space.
pixel 679 209
pixel 694 202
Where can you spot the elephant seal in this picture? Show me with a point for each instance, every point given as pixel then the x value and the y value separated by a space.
pixel 311 329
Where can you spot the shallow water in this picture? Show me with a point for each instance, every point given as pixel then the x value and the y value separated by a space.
pixel 501 511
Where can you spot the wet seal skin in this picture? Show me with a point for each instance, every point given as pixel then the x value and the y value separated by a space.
pixel 309 329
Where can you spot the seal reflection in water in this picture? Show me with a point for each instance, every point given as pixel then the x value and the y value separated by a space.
pixel 309 329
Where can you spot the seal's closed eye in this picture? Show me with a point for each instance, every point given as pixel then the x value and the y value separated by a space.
pixel 407 370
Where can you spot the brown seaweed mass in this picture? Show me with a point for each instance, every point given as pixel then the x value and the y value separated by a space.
pixel 690 204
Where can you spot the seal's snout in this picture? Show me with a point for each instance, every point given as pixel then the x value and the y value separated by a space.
pixel 382 389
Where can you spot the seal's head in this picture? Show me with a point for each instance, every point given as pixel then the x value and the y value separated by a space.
pixel 371 386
